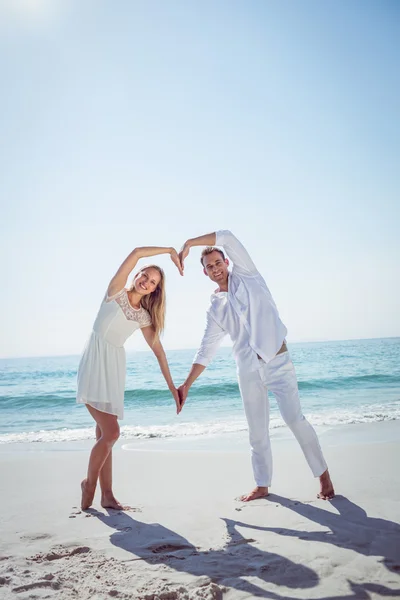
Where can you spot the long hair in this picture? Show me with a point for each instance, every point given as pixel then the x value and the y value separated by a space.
pixel 155 303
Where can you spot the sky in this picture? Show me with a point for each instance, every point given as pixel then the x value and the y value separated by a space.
pixel 148 122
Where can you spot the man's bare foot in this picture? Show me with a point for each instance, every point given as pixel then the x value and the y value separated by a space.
pixel 326 492
pixel 108 500
pixel 258 492
pixel 87 495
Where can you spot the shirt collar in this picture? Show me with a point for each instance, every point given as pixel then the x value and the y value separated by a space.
pixel 217 294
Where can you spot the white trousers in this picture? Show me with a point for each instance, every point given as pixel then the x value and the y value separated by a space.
pixel 279 377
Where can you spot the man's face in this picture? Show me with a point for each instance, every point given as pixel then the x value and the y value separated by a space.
pixel 216 267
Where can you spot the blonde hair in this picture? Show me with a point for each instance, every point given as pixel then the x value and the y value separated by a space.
pixel 155 303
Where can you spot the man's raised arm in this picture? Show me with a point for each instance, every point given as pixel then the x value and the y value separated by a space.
pixel 209 239
pixel 234 249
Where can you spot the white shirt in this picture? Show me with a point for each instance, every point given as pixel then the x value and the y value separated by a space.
pixel 247 312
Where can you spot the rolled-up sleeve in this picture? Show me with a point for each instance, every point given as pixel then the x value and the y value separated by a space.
pixel 236 252
pixel 212 338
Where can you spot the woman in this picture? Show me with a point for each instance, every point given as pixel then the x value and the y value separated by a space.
pixel 102 369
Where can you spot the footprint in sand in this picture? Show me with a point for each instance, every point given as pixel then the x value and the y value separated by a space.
pixel 60 553
pixel 35 536
pixel 55 585
pixel 242 541
pixel 128 509
pixel 93 512
pixel 160 549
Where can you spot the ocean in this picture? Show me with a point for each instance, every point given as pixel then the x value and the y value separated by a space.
pixel 341 382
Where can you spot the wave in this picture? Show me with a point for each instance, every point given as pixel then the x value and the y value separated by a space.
pixel 10 375
pixel 367 414
pixel 355 381
pixel 158 397
pixel 151 396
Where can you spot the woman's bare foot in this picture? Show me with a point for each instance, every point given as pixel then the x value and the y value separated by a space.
pixel 108 500
pixel 326 492
pixel 87 495
pixel 258 492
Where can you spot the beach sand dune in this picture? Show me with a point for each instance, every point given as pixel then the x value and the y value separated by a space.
pixel 187 537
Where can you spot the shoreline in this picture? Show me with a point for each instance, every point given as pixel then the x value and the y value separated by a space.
pixel 375 432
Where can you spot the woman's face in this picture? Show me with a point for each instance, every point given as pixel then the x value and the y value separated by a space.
pixel 146 281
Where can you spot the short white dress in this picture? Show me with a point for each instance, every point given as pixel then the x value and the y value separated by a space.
pixel 102 368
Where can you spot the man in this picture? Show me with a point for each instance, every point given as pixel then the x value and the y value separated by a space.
pixel 243 307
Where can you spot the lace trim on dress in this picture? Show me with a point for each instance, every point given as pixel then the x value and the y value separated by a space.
pixel 140 315
pixel 114 296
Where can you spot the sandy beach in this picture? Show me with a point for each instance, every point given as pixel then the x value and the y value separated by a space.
pixel 188 537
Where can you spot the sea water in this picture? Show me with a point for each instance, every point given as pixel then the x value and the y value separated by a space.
pixel 340 383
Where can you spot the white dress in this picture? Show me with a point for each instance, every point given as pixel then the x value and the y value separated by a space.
pixel 102 368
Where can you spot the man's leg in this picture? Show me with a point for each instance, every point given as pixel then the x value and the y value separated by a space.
pixel 282 381
pixel 256 406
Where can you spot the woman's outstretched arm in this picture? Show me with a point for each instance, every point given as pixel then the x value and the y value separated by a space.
pixel 120 278
pixel 155 344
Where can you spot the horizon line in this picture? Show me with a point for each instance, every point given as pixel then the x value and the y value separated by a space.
pixel 310 341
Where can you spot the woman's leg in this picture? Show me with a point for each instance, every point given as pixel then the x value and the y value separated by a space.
pixel 108 499
pixel 109 430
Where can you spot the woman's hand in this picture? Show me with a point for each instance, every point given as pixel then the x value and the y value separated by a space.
pixel 176 261
pixel 184 253
pixel 175 394
pixel 183 391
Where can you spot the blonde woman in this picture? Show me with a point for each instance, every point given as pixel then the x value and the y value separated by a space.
pixel 102 369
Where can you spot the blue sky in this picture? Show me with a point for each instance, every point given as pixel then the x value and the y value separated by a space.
pixel 140 123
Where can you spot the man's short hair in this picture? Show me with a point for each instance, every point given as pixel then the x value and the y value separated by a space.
pixel 208 251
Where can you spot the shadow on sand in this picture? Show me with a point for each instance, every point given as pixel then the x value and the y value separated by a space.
pixel 239 559
pixel 349 528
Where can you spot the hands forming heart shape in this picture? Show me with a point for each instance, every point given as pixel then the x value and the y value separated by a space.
pixel 178 259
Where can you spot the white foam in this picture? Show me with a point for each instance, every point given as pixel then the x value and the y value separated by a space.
pixel 366 414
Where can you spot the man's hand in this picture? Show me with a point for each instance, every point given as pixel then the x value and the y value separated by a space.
pixel 184 253
pixel 183 391
pixel 177 399
pixel 176 259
